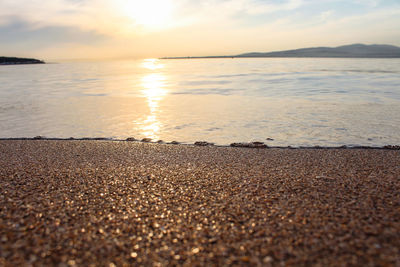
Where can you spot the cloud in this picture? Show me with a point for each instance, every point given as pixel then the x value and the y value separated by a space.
pixel 209 27
pixel 95 15
pixel 21 32
pixel 326 15
pixel 266 7
pixel 379 26
pixel 228 10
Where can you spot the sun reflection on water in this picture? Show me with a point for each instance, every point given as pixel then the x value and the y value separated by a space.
pixel 154 90
pixel 152 64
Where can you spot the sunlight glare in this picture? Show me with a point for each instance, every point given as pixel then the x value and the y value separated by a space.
pixel 153 89
pixel 153 85
pixel 152 64
pixel 150 13
pixel 151 127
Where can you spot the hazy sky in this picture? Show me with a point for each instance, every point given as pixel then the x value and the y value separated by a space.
pixel 63 29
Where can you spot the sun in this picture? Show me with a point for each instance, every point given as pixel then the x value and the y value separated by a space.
pixel 150 13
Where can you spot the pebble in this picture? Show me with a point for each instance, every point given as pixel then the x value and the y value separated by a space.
pixel 392 147
pixel 203 143
pixel 175 143
pixel 268 259
pixel 134 255
pixel 250 145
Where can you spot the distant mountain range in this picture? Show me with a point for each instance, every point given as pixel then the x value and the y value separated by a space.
pixel 346 51
pixel 16 61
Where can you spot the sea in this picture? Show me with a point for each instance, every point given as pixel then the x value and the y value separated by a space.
pixel 279 101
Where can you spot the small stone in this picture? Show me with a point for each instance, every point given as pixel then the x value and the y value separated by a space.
pixel 245 259
pixel 392 147
pixel 32 258
pixel 250 145
pixel 270 139
pixel 71 263
pixel 239 145
pixel 131 139
pixel 100 139
pixel 257 145
pixel 268 259
pixel 195 250
pixel 175 143
pixel 203 143
pixel 134 255
pixel 146 140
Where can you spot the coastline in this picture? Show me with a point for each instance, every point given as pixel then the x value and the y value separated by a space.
pixel 111 203
pixel 253 144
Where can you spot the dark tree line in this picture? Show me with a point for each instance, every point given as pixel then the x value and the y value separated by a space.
pixel 16 60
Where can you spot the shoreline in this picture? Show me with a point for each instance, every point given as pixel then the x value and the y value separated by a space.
pixel 256 144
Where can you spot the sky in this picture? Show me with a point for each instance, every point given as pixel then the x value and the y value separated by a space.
pixel 103 29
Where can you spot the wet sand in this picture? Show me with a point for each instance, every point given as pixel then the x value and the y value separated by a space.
pixel 104 203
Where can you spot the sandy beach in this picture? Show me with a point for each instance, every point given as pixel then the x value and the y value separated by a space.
pixel 108 203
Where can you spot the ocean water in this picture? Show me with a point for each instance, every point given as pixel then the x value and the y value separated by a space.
pixel 296 102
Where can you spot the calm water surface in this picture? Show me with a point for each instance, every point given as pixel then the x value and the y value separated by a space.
pixel 294 101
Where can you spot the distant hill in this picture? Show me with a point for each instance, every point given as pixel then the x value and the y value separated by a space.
pixel 16 60
pixel 346 51
pixel 350 51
